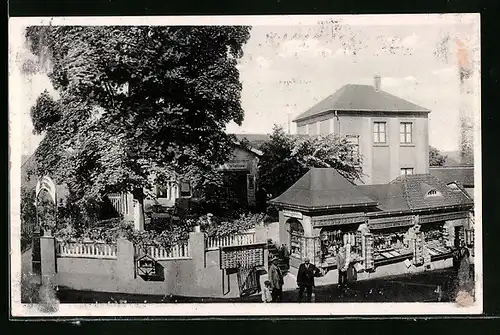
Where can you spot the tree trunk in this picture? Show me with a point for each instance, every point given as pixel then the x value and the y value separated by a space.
pixel 138 209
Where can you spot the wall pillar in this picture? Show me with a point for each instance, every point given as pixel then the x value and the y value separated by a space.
pixel 125 263
pixel 260 233
pixel 197 249
pixel 48 260
pixel 283 234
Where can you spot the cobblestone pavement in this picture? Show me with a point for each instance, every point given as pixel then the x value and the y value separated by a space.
pixel 420 287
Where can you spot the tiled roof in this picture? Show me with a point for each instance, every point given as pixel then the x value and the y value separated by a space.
pixel 361 98
pixel 323 188
pixel 415 188
pixel 461 174
pixel 390 197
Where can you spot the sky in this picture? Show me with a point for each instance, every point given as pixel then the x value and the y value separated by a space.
pixel 286 68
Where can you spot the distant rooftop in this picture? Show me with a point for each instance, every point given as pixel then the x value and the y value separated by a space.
pixel 361 98
pixel 255 140
pixel 460 174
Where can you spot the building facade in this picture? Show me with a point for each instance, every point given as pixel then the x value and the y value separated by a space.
pixel 390 134
pixel 412 224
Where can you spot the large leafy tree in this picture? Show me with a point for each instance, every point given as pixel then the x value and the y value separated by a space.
pixel 137 105
pixel 435 157
pixel 288 157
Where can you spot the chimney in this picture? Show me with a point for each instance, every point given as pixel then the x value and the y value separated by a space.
pixel 377 83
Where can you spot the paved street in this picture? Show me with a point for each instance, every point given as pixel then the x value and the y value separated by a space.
pixel 407 288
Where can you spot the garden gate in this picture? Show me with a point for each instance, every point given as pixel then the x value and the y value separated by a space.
pixel 246 261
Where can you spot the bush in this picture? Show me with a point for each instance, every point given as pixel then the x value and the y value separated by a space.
pixel 29 289
pixel 225 227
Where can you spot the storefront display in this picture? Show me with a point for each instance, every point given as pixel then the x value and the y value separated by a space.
pixel 332 240
pixel 297 243
pixel 438 239
pixel 389 244
pixel 418 251
pixel 368 252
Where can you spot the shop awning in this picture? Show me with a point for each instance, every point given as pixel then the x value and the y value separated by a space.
pixel 391 222
pixel 442 217
pixel 337 219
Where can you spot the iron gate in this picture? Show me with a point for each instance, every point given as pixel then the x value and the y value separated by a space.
pixel 248 281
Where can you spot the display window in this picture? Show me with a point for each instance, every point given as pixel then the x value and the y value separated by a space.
pixel 333 239
pixel 297 241
pixel 436 238
pixel 391 243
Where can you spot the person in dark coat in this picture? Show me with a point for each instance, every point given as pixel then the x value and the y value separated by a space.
pixel 286 255
pixel 276 279
pixel 305 279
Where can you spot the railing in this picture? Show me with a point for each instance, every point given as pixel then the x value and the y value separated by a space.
pixel 213 243
pixel 98 250
pixel 178 251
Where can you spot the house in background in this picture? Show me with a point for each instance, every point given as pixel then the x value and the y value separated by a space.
pixel 390 133
pixel 241 170
pixel 458 175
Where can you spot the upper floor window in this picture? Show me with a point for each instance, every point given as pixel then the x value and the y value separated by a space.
pixel 406 171
pixel 353 154
pixel 379 132
pixel 185 189
pixel 405 132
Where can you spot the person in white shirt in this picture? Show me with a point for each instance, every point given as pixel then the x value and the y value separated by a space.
pixel 266 292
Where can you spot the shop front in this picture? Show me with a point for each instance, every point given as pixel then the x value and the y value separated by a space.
pixel 380 237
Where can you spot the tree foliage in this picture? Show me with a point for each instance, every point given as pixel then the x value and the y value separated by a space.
pixel 435 157
pixel 287 158
pixel 137 105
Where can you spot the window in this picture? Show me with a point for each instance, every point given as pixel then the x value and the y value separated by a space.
pixel 353 154
pixel 379 132
pixel 406 171
pixel 185 189
pixel 405 132
pixel 166 190
pixel 433 193
pixel 297 241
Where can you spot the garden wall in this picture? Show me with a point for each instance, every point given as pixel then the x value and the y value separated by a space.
pixel 198 275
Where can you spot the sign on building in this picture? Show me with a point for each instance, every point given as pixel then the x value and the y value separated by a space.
pixel 235 166
pixel 147 268
pixel 292 214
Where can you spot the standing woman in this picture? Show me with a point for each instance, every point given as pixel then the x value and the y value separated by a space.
pixel 464 270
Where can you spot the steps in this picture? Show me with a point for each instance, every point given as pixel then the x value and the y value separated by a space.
pixel 273 251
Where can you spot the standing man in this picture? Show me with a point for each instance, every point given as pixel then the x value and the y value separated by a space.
pixel 342 267
pixel 276 279
pixel 305 279
pixel 286 255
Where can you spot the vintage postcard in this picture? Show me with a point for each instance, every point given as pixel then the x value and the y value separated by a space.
pixel 251 165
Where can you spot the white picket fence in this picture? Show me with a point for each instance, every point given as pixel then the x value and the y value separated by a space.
pixel 214 243
pixel 99 250
pixel 178 251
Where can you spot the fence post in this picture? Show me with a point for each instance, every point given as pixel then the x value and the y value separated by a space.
pixel 197 249
pixel 48 260
pixel 125 259
pixel 260 233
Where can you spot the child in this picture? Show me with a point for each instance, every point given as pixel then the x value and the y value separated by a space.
pixel 266 292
